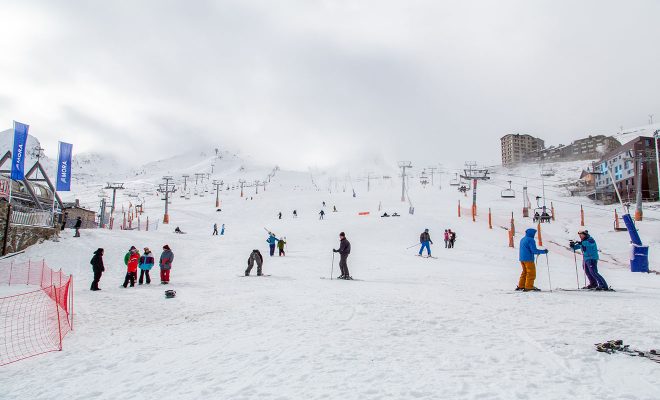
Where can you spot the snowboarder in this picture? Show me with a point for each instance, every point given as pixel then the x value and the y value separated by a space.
pixel 78 226
pixel 321 214
pixel 279 216
pixel 424 240
pixel 589 260
pixel 146 263
pixel 222 230
pixel 165 264
pixel 344 250
pixel 446 238
pixel 97 268
pixel 526 256
pixel 131 259
pixel 280 246
pixel 255 256
pixel 272 241
pixel 215 230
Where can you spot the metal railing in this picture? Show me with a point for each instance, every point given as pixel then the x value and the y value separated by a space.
pixel 21 215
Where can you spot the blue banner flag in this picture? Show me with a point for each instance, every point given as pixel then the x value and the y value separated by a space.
pixel 64 167
pixel 18 154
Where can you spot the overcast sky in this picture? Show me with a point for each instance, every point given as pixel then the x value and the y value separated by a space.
pixel 302 83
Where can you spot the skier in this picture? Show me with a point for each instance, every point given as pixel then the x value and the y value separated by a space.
pixel 279 216
pixel 146 263
pixel 64 218
pixel 344 250
pixel 322 213
pixel 165 264
pixel 295 214
pixel 280 246
pixel 324 204
pixel 424 240
pixel 334 208
pixel 222 230
pixel 526 256
pixel 131 259
pixel 78 226
pixel 272 241
pixel 97 268
pixel 452 238
pixel 590 260
pixel 215 230
pixel 255 256
pixel 446 238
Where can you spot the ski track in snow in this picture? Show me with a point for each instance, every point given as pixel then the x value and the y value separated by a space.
pixel 415 328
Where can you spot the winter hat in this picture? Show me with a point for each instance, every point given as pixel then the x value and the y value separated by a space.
pixel 342 234
pixel 166 247
pixel 146 250
pixel 132 248
pixel 583 231
pixel 98 251
pixel 426 230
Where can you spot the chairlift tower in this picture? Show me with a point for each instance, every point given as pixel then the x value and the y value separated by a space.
pixel 185 181
pixel 114 186
pixel 472 172
pixel 166 188
pixel 432 172
pixel 242 183
pixel 369 177
pixel 199 175
pixel 404 165
pixel 217 192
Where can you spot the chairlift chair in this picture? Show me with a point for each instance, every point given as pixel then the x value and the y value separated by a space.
pixel 455 181
pixel 508 193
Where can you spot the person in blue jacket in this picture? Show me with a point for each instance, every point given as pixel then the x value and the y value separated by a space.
pixel 527 252
pixel 222 230
pixel 272 241
pixel 589 249
pixel 146 263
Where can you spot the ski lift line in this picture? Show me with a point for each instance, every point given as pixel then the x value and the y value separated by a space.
pixel 532 178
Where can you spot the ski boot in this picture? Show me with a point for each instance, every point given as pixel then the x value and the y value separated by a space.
pixel 533 289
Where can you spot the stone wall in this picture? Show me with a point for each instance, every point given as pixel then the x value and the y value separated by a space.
pixel 22 237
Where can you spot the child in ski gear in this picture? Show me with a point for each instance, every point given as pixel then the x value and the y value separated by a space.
pixel 146 263
pixel 590 260
pixel 425 239
pixel 526 257
pixel 78 226
pixel 272 241
pixel 215 230
pixel 446 238
pixel 280 246
pixel 344 250
pixel 322 213
pixel 255 256
pixel 222 230
pixel 131 259
pixel 165 264
pixel 97 268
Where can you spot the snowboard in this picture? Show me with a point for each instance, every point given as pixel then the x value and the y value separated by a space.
pixel 417 255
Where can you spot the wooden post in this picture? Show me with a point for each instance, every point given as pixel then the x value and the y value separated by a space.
pixel 616 221
pixel 538 228
pixel 513 226
pixel 510 238
pixel 581 216
pixel 147 224
pixel 6 238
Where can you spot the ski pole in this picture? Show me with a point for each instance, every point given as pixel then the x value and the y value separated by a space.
pixel 547 263
pixel 332 270
pixel 410 247
pixel 577 276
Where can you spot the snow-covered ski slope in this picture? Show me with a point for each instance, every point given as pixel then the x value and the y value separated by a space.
pixel 414 328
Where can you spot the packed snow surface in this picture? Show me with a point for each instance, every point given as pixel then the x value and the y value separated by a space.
pixel 409 328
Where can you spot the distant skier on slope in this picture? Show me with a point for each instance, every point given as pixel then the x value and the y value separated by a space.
pixel 295 214
pixel 215 230
pixel 344 250
pixel 446 238
pixel 222 230
pixel 425 240
pixel 77 227
pixel 589 249
pixel 272 241
pixel 279 215
pixel 452 238
pixel 321 214
pixel 255 256
pixel 526 256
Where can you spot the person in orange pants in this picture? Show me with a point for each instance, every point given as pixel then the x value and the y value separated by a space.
pixel 527 252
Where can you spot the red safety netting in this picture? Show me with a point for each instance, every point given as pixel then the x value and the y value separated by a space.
pixel 36 321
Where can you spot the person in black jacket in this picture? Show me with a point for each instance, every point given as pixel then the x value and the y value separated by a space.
pixel 98 268
pixel 77 227
pixel 344 250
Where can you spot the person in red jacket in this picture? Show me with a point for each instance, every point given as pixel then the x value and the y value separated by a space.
pixel 131 259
